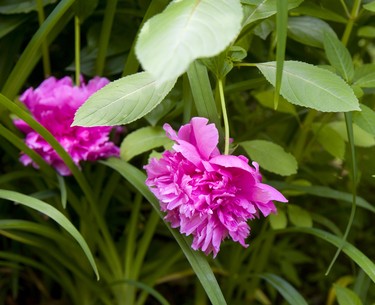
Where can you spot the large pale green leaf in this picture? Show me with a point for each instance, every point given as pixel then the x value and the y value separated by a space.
pixel 54 214
pixel 271 157
pixel 309 86
pixel 338 55
pixel 330 140
pixel 142 140
pixel 308 30
pixel 289 293
pixel 365 119
pixel 361 137
pixel 345 296
pixel 123 101
pixel 261 9
pixel 184 31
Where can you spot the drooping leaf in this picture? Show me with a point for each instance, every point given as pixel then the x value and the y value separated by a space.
pixel 361 137
pixel 338 55
pixel 123 101
pixel 365 119
pixel 330 140
pixel 271 157
pixel 345 296
pixel 142 140
pixel 308 30
pixel 261 9
pixel 184 31
pixel 309 86
pixel 54 214
pixel 299 217
pixel 289 293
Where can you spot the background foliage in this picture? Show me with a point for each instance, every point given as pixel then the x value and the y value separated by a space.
pixel 311 142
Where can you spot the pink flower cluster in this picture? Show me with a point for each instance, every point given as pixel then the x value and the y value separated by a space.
pixel 208 195
pixel 53 104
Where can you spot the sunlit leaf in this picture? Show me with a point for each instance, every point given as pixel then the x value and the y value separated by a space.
pixel 338 56
pixel 370 6
pixel 330 140
pixel 142 140
pixel 365 119
pixel 123 101
pixel 271 157
pixel 299 217
pixel 309 86
pixel 361 137
pixel 184 31
pixel 345 296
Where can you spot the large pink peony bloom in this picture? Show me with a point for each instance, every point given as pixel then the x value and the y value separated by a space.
pixel 53 104
pixel 206 194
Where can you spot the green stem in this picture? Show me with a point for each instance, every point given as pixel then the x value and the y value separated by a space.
pixel 352 18
pixel 77 44
pixel 349 129
pixel 105 35
pixel 45 56
pixel 302 138
pixel 225 117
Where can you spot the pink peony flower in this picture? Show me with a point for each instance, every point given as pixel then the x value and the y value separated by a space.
pixel 208 195
pixel 53 104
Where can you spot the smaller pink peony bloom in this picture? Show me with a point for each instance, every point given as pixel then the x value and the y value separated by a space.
pixel 206 194
pixel 53 104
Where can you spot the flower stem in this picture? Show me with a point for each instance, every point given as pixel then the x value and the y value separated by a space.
pixel 45 54
pixel 225 117
pixel 77 43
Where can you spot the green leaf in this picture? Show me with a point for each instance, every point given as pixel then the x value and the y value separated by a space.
pixel 365 119
pixel 51 212
pixel 265 98
pixel 20 6
pixel 142 140
pixel 84 8
pixel 196 259
pixel 364 76
pixel 323 191
pixel 309 86
pixel 314 10
pixel 345 296
pixel 289 293
pixel 279 220
pixel 9 23
pixel 330 140
pixel 299 217
pixel 338 56
pixel 361 137
pixel 123 101
pixel 366 31
pixel 357 256
pixel 184 31
pixel 261 9
pixel 308 30
pixel 271 157
pixel 370 6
